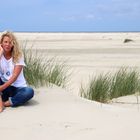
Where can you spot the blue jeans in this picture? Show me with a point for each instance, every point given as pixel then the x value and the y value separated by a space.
pixel 17 95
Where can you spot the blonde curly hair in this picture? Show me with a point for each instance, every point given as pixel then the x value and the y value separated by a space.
pixel 16 52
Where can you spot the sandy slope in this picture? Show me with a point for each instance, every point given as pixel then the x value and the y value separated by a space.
pixel 87 54
pixel 56 114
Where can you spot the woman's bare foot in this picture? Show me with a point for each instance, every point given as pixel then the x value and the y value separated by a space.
pixel 1 109
pixel 3 105
pixel 7 104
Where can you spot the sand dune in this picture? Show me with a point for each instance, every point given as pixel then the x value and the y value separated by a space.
pixel 56 114
pixel 87 54
pixel 59 114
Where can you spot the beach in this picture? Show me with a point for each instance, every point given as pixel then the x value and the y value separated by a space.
pixel 56 113
pixel 87 54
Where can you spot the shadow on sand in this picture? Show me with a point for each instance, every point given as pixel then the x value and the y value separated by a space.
pixel 31 103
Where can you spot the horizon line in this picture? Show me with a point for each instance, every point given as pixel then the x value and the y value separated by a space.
pixel 75 31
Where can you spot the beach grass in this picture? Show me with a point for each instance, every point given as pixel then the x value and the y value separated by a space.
pixel 126 81
pixel 98 89
pixel 58 72
pixel 35 70
pixel 40 71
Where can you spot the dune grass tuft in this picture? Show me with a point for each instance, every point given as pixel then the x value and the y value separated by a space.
pixel 98 89
pixel 40 71
pixel 106 87
pixel 58 73
pixel 124 82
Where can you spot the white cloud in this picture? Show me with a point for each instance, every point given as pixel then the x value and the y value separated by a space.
pixel 80 17
pixel 90 16
pixel 69 18
pixel 18 3
pixel 117 9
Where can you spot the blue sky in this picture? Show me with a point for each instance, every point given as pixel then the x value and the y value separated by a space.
pixel 70 15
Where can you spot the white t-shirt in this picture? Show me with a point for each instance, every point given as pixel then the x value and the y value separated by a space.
pixel 6 71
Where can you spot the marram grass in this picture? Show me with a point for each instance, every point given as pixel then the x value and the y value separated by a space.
pixel 40 71
pixel 124 82
pixel 98 89
pixel 106 87
pixel 58 72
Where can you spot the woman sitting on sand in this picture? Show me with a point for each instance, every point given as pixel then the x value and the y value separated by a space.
pixel 13 87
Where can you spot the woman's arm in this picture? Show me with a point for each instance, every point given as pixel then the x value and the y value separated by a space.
pixel 16 72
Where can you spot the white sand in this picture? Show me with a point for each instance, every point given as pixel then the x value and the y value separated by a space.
pixel 87 54
pixel 56 113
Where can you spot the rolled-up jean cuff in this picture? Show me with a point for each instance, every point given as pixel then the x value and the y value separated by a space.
pixel 10 100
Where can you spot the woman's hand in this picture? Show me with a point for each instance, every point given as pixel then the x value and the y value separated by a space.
pixel 1 50
pixel 1 88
